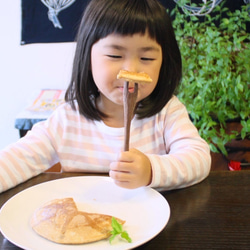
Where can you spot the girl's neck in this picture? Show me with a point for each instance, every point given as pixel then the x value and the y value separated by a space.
pixel 114 113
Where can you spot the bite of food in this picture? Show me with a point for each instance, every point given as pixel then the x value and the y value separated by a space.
pixel 140 77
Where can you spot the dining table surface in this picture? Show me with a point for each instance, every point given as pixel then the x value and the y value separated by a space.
pixel 214 214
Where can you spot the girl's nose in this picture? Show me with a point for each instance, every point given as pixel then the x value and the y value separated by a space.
pixel 132 65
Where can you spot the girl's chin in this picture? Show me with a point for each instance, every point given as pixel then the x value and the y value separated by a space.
pixel 118 102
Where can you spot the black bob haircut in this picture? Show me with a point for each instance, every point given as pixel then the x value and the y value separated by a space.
pixel 125 17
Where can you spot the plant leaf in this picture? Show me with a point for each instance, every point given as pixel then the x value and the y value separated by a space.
pixel 118 230
pixel 116 225
pixel 111 238
pixel 125 236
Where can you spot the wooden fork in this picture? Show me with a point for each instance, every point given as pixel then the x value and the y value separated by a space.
pixel 129 100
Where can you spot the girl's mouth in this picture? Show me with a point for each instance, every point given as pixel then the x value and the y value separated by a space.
pixel 130 89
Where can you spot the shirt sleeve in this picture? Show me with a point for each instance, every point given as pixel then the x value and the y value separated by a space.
pixel 29 156
pixel 187 160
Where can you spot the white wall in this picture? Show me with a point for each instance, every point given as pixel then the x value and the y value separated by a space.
pixel 26 69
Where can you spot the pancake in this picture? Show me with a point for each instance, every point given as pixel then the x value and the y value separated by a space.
pixel 60 221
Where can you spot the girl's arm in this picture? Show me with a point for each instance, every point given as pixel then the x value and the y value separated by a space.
pixel 28 157
pixel 188 160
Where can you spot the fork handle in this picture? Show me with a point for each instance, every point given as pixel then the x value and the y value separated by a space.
pixel 129 100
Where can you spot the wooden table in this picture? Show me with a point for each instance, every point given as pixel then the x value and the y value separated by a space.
pixel 211 215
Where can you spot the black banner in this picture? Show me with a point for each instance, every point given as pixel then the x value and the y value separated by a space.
pixel 53 21
pixel 50 21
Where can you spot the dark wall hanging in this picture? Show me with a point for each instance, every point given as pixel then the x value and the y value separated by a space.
pixel 53 21
pixel 50 21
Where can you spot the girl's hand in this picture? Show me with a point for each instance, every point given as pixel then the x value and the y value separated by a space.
pixel 131 170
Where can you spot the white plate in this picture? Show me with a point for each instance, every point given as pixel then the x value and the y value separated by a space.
pixel 145 210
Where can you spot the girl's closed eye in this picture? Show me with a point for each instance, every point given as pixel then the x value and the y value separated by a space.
pixel 147 59
pixel 114 56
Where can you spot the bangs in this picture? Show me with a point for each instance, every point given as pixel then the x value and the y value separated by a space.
pixel 128 18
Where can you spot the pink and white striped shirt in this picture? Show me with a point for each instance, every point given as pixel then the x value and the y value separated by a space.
pixel 178 155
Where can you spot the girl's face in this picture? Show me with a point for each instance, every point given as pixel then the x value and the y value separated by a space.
pixel 137 53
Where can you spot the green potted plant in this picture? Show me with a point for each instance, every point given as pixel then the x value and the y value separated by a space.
pixel 216 72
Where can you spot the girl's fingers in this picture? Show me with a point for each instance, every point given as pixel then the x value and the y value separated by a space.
pixel 131 170
pixel 120 176
pixel 120 166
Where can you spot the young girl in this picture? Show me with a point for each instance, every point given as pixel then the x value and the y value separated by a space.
pixel 86 134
